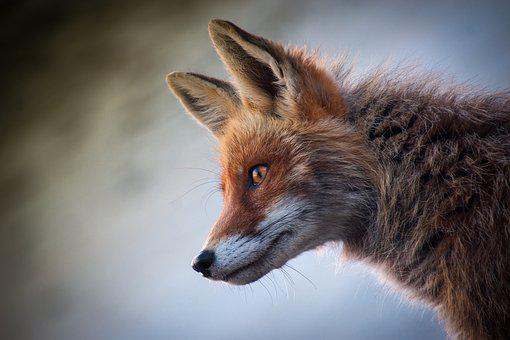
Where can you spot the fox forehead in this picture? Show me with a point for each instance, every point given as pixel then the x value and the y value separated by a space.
pixel 253 139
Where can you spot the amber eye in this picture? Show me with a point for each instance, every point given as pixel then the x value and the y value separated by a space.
pixel 257 174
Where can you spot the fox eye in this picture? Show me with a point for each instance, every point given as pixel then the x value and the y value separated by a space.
pixel 257 174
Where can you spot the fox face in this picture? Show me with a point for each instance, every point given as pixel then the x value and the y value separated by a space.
pixel 294 174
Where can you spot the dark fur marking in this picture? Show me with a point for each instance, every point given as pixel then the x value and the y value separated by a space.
pixel 379 119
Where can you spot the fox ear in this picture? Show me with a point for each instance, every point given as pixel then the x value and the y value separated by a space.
pixel 208 100
pixel 268 75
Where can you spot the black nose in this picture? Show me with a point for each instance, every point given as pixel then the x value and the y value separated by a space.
pixel 203 261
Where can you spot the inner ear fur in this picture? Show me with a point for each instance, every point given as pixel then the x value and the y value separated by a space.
pixel 209 100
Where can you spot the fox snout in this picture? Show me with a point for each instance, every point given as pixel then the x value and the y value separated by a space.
pixel 242 257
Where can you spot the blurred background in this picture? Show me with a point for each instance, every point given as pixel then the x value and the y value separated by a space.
pixel 103 202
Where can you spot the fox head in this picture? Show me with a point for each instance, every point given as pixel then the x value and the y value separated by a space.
pixel 294 173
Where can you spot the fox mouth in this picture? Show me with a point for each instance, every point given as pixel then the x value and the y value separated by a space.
pixel 259 267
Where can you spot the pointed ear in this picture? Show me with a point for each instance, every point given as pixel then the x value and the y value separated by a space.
pixel 269 76
pixel 210 101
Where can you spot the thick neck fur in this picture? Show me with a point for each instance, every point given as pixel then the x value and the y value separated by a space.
pixel 442 227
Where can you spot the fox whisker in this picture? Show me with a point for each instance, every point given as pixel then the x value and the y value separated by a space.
pixel 302 275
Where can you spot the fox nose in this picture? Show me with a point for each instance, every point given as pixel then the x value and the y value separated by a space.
pixel 203 262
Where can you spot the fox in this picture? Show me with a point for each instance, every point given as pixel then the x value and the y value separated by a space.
pixel 410 176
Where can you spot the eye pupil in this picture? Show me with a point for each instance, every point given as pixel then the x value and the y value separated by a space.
pixel 258 174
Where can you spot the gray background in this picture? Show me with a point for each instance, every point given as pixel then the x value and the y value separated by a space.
pixel 97 225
